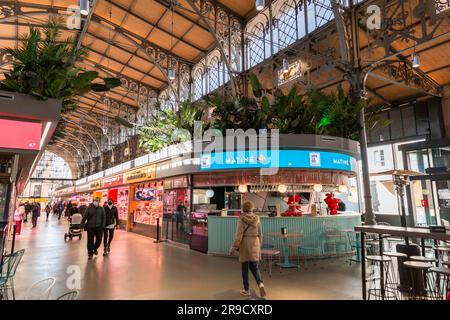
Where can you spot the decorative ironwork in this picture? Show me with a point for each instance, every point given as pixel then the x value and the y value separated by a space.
pixel 401 71
pixel 399 21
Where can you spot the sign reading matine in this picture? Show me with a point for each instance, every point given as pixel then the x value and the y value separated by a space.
pixel 254 159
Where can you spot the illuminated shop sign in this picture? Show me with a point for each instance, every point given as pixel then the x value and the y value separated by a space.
pixel 301 159
pixel 139 175
pixel 20 134
pixel 96 184
pixel 113 181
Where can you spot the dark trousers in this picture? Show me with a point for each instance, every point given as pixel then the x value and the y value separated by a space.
pixel 94 239
pixel 255 271
pixel 108 235
pixel 59 214
pixel 48 213
pixel 34 221
pixel 26 217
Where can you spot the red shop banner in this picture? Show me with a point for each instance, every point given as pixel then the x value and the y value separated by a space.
pixel 113 181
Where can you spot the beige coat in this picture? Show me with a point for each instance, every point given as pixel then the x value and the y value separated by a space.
pixel 248 237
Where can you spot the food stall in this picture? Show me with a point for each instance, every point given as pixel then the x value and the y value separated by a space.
pixel 313 189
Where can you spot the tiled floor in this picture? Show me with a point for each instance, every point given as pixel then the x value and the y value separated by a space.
pixel 137 268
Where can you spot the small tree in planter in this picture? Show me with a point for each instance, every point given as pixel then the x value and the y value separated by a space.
pixel 45 67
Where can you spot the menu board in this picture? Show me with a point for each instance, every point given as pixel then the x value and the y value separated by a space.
pixel 147 212
pixel 122 202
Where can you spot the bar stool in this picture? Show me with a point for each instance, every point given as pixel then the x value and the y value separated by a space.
pixel 394 272
pixel 442 252
pixel 380 278
pixel 419 278
pixel 423 259
pixel 440 282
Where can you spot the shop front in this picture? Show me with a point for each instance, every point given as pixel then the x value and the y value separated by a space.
pixel 145 201
pixel 177 209
pixel 311 191
pixel 119 194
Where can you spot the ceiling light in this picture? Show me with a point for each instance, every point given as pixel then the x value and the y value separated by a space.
pixel 317 187
pixel 260 4
pixel 242 188
pixel 285 65
pixel 282 188
pixel 415 60
pixel 172 74
pixel 84 7
pixel 210 193
pixel 343 188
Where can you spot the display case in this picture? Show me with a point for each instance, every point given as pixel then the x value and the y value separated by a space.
pixel 199 222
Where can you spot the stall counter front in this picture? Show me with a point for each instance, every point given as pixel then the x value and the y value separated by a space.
pixel 221 230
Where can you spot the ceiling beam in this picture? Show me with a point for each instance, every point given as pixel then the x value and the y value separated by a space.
pixel 93 4
pixel 131 13
pixel 144 42
pixel 126 65
pixel 166 5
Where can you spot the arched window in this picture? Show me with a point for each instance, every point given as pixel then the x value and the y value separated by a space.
pixel 199 83
pixel 286 25
pixel 256 45
pixel 213 74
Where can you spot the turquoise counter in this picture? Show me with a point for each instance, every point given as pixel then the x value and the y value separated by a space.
pixel 221 230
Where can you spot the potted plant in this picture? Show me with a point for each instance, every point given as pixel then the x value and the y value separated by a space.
pixel 45 67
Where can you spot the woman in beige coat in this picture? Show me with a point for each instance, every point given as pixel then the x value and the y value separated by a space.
pixel 248 241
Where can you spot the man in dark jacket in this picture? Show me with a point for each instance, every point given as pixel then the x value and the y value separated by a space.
pixel 94 222
pixel 112 221
pixel 36 213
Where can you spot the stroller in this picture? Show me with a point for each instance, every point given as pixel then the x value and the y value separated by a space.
pixel 74 227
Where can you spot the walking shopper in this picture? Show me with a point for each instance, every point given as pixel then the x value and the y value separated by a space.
pixel 35 214
pixel 60 209
pixel 112 221
pixel 248 241
pixel 18 217
pixel 181 211
pixel 94 222
pixel 48 209
pixel 27 211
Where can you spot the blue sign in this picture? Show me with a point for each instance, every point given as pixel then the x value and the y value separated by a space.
pixel 255 159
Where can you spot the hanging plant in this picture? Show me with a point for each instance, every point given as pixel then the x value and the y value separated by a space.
pixel 45 66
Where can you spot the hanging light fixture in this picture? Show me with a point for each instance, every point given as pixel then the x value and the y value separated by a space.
pixel 242 188
pixel 84 7
pixel 210 193
pixel 317 187
pixel 285 66
pixel 260 4
pixel 282 188
pixel 171 73
pixel 343 188
pixel 415 60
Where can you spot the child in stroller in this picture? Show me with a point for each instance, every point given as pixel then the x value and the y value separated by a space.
pixel 74 227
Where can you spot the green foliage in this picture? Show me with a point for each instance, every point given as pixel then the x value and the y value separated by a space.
pixel 315 112
pixel 166 126
pixel 45 66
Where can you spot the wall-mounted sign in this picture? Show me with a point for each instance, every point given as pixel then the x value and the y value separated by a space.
pixel 20 134
pixel 296 70
pixel 113 181
pixel 84 187
pixel 255 159
pixel 96 184
pixel 444 194
pixel 141 174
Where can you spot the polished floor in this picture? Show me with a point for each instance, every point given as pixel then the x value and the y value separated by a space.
pixel 138 268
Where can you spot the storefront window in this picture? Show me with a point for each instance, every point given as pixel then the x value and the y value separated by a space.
pixel 388 157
